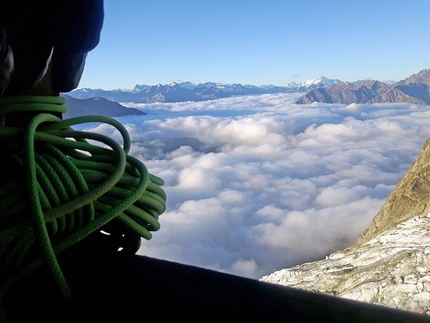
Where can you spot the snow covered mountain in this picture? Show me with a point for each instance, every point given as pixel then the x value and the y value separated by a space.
pixel 311 84
pixel 318 83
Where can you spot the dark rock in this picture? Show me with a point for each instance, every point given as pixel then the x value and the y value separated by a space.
pixel 96 106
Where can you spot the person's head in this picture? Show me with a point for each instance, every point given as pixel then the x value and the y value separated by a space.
pixel 43 44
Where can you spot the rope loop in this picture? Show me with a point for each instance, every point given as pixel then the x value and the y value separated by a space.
pixel 58 186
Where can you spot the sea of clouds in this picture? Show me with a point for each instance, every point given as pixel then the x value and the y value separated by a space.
pixel 256 183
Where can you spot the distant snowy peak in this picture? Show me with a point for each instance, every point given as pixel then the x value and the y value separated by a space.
pixel 139 88
pixel 320 82
pixel 311 84
pixel 291 85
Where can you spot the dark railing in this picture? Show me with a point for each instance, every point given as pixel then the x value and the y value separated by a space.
pixel 114 287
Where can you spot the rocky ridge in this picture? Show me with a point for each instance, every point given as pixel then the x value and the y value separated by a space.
pixel 346 93
pixel 393 270
pixel 409 198
pixel 390 263
pixel 98 106
pixel 414 89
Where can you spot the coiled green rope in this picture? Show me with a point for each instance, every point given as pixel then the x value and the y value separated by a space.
pixel 56 188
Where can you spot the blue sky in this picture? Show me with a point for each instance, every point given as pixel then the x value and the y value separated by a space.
pixel 258 42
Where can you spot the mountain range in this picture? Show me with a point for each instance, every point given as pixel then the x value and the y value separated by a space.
pixel 187 91
pixel 414 89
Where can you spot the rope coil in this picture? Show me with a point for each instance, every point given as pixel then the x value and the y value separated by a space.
pixel 57 188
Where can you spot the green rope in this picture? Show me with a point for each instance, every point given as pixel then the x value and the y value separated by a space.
pixel 58 188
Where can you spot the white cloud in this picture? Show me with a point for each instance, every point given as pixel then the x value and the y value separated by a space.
pixel 257 183
pixel 247 267
pixel 198 178
pixel 336 196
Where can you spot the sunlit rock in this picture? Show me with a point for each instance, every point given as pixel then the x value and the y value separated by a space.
pixel 393 269
pixel 390 263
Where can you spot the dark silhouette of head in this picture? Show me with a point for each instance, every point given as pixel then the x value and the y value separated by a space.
pixel 43 43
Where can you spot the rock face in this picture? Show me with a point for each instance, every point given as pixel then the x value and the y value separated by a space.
pixel 417 95
pixel 390 263
pixel 411 197
pixel 393 269
pixel 422 76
